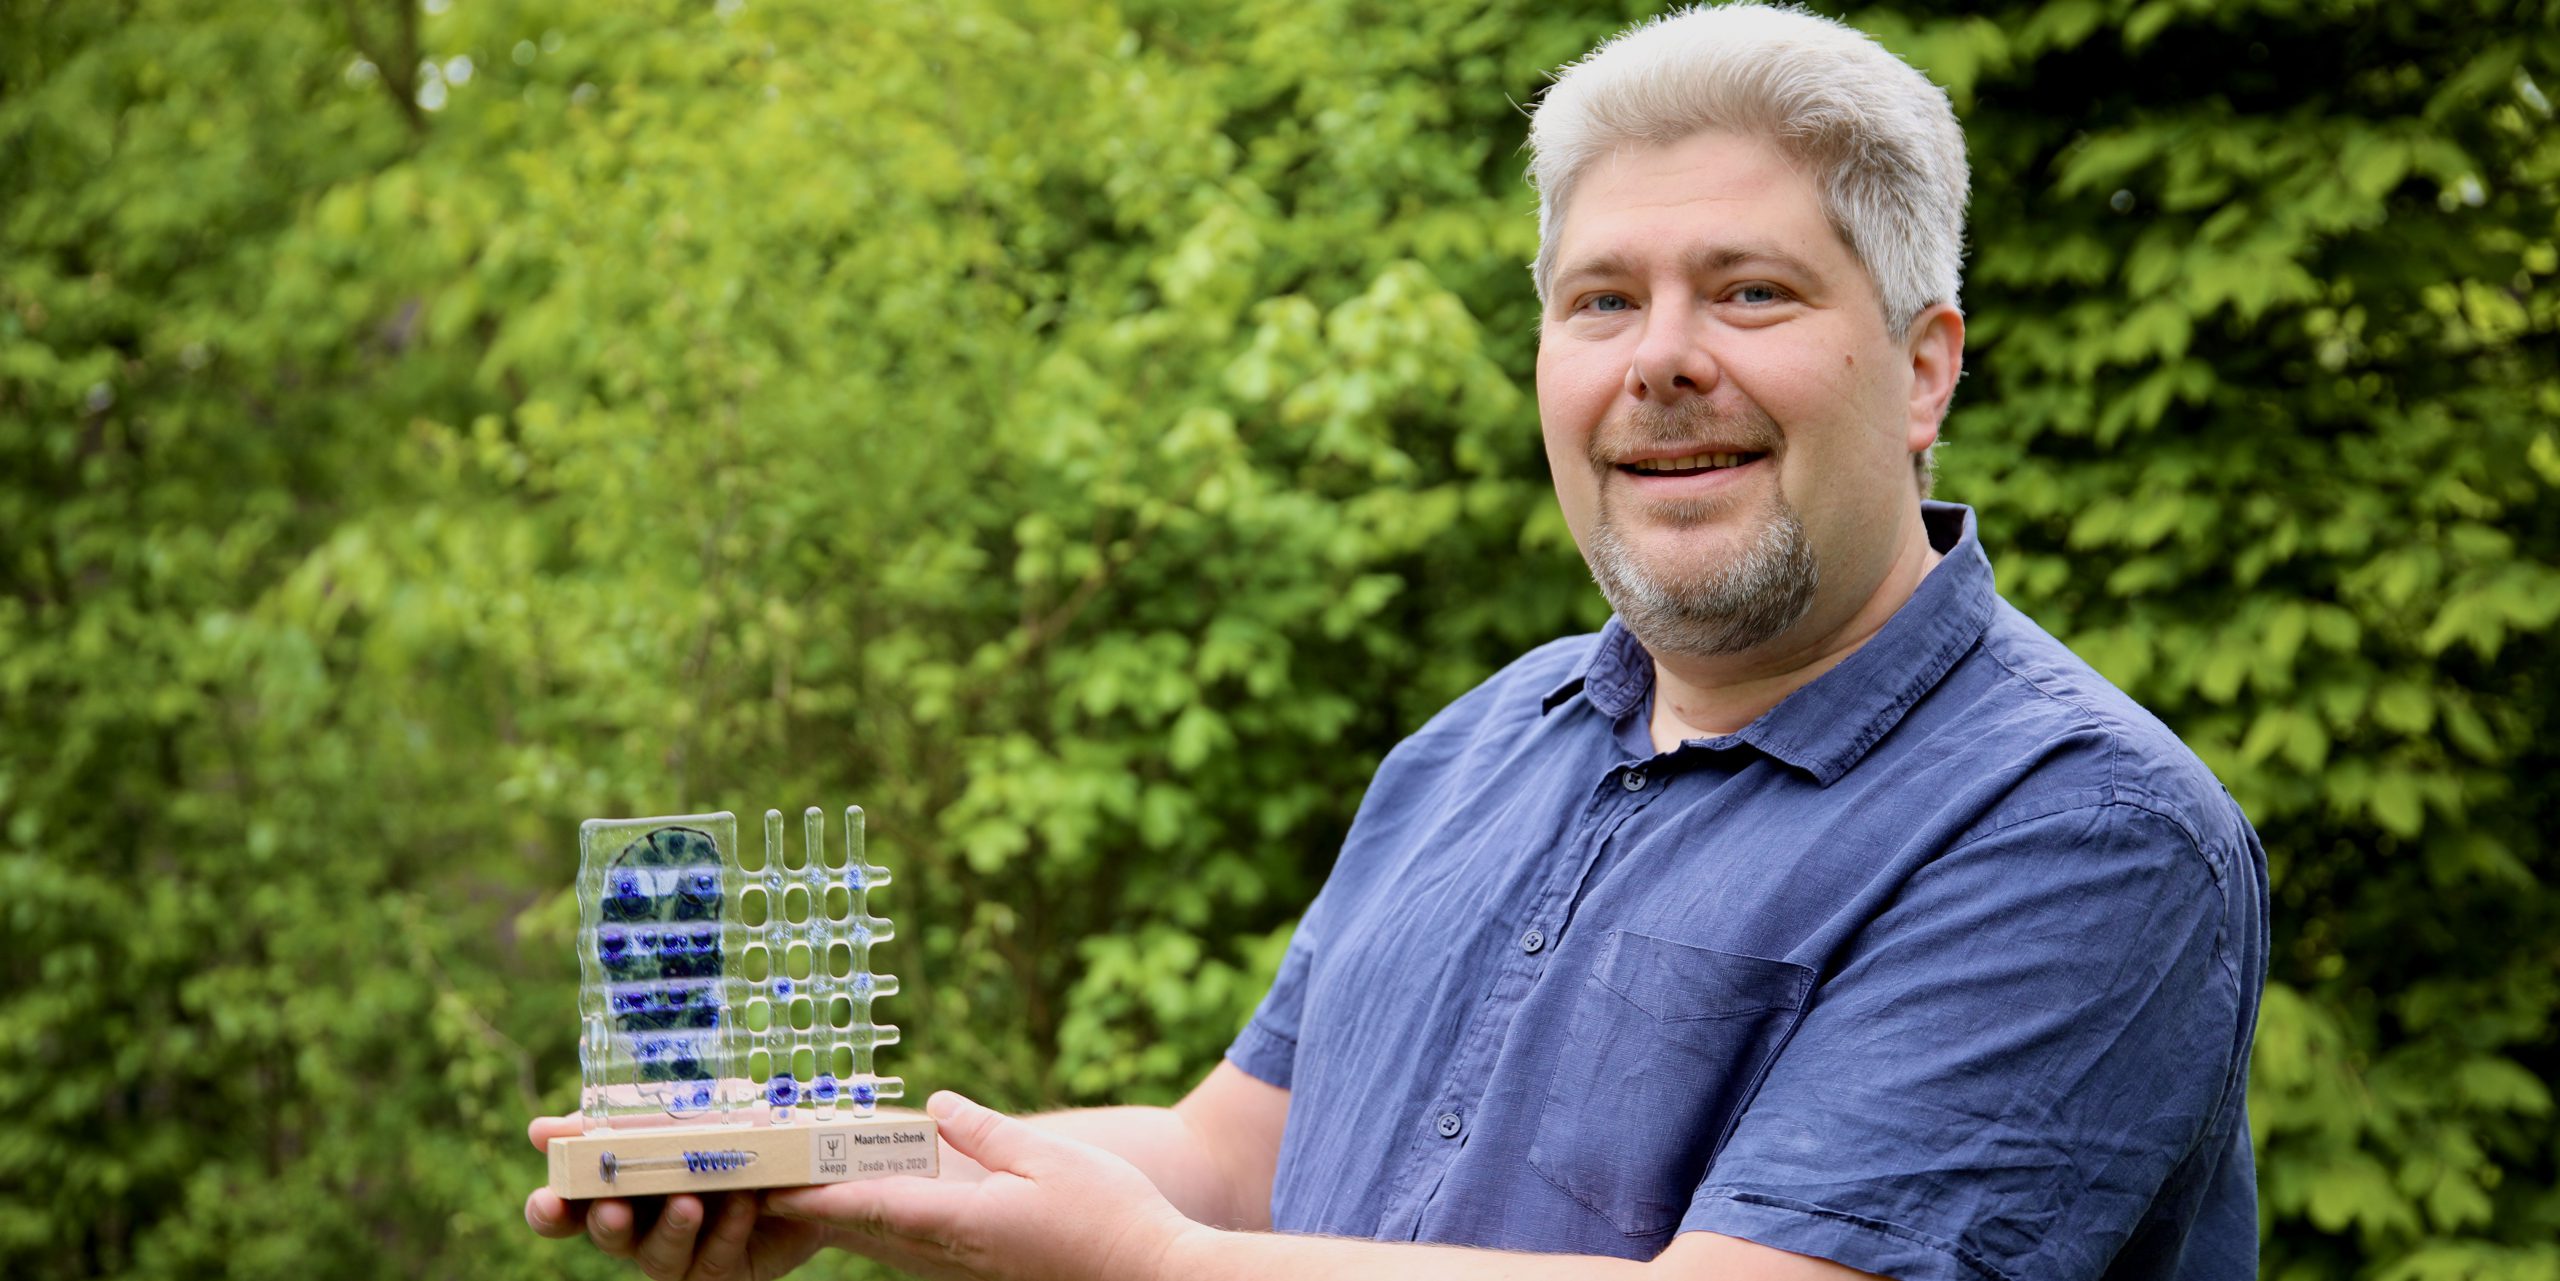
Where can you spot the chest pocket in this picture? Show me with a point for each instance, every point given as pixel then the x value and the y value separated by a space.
pixel 1661 1051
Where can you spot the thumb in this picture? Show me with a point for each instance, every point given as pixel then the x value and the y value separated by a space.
pixel 987 1136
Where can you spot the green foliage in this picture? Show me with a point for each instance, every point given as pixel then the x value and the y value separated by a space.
pixel 1088 437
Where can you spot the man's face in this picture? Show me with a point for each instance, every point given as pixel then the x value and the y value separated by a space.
pixel 1729 422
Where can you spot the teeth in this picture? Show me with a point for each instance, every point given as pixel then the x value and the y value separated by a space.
pixel 1691 463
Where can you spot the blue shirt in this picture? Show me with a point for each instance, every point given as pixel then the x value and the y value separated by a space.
pixel 1945 967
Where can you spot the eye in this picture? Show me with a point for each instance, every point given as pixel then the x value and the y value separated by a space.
pixel 1610 303
pixel 1758 294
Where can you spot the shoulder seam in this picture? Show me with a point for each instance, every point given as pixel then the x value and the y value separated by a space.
pixel 2111 796
pixel 2117 790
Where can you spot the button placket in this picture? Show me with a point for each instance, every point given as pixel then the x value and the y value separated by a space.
pixel 1607 807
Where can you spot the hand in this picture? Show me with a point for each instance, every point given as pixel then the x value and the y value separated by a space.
pixel 1047 1208
pixel 665 1235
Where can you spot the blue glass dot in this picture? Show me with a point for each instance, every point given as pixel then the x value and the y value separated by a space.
pixel 861 935
pixel 865 1093
pixel 646 940
pixel 863 983
pixel 824 1088
pixel 612 944
pixel 782 1092
pixel 781 986
pixel 853 876
pixel 625 899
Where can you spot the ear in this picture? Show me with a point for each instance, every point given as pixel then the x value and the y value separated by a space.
pixel 1936 349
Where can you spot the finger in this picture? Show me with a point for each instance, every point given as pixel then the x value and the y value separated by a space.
pixel 546 1128
pixel 900 1206
pixel 609 1223
pixel 666 1252
pixel 548 1215
pixel 955 1165
pixel 723 1251
pixel 985 1135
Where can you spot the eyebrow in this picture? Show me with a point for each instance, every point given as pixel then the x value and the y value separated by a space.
pixel 1702 261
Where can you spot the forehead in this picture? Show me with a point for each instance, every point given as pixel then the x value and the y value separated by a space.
pixel 1704 192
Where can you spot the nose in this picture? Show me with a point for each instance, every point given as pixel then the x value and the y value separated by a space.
pixel 1671 358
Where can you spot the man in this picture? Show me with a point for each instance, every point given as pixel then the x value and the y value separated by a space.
pixel 1820 917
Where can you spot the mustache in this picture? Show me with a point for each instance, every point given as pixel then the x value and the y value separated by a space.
pixel 1694 419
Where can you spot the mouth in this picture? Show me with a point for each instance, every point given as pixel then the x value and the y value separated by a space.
pixel 1699 464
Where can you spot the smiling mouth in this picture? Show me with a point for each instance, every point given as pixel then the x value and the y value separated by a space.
pixel 1690 465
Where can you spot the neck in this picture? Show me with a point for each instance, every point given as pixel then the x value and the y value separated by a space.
pixel 1710 696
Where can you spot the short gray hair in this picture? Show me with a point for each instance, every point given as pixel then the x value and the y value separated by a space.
pixel 1881 140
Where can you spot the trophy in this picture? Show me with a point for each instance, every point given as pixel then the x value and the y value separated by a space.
pixel 725 1001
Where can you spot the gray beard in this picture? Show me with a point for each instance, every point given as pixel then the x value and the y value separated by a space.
pixel 1721 608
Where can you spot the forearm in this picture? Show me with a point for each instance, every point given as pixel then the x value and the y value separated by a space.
pixel 1208 1255
pixel 1171 1154
pixel 1056 1208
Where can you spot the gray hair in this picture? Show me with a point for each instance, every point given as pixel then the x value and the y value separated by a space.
pixel 1880 139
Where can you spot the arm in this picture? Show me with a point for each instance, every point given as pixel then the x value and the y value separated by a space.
pixel 1212 1155
pixel 1694 1256
pixel 1052 1209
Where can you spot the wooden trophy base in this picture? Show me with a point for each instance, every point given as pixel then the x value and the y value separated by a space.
pixel 658 1160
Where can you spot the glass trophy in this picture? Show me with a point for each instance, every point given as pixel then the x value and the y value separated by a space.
pixel 725 1002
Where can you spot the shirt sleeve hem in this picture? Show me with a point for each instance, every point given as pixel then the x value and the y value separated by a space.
pixel 1869 1245
pixel 1264 1055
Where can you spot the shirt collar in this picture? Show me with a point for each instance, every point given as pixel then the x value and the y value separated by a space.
pixel 1825 727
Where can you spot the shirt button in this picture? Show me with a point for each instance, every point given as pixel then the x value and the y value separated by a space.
pixel 1533 940
pixel 1450 1125
pixel 1632 780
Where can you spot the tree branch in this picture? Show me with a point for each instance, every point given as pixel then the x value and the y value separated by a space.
pixel 398 69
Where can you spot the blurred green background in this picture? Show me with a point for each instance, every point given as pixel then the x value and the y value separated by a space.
pixel 1088 435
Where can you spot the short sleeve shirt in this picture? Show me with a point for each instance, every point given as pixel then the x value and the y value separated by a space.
pixel 1946 967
